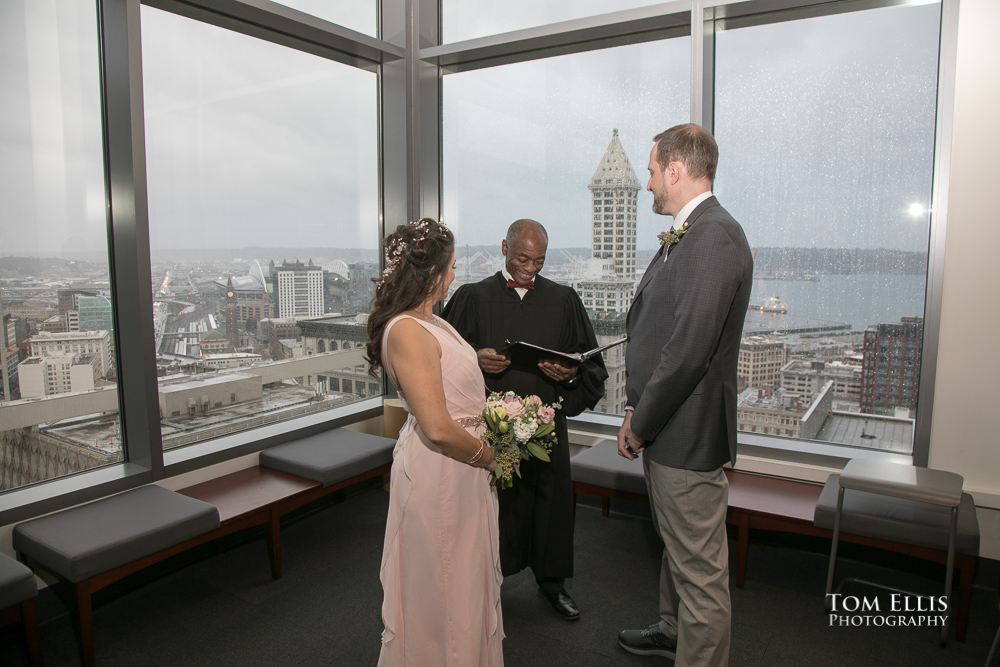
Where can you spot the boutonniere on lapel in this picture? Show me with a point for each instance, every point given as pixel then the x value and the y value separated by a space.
pixel 673 236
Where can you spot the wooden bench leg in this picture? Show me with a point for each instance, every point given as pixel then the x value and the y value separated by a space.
pixel 273 537
pixel 742 548
pixel 605 505
pixel 30 621
pixel 742 522
pixel 966 567
pixel 84 622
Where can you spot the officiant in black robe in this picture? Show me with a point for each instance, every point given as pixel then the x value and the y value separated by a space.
pixel 516 304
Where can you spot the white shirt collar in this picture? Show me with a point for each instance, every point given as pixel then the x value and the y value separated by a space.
pixel 521 291
pixel 682 216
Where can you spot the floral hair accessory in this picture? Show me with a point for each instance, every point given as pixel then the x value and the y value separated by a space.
pixel 673 236
pixel 396 247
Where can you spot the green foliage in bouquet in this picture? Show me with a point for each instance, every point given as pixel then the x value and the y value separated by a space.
pixel 517 428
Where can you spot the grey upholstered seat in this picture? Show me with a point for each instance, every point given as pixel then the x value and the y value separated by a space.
pixel 601 465
pixel 330 457
pixel 898 520
pixel 83 541
pixel 17 582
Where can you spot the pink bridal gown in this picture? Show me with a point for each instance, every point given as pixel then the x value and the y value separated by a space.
pixel 440 562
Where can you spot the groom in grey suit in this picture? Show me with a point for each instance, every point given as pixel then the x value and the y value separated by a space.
pixel 684 326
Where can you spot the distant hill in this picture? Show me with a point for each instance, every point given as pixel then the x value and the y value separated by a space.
pixel 836 261
pixel 42 266
pixel 277 254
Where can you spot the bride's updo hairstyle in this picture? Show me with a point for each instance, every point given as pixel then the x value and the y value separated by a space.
pixel 416 259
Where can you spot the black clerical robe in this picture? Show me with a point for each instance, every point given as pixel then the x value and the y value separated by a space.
pixel 536 515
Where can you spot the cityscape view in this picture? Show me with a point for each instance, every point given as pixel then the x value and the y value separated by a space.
pixel 245 338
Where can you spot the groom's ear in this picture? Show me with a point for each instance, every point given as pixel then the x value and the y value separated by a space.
pixel 674 171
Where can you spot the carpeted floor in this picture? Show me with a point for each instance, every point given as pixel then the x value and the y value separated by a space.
pixel 207 608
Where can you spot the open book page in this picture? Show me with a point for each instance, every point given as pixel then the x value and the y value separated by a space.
pixel 522 353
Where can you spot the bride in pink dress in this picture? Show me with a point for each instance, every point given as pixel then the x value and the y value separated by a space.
pixel 440 561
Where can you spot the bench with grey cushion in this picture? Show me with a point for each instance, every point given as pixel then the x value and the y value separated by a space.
pixel 335 459
pixel 600 471
pixel 17 603
pixel 290 476
pixel 94 545
pixel 906 526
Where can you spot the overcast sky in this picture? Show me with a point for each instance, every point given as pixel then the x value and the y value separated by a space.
pixel 825 129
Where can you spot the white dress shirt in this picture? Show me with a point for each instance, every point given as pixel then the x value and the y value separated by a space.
pixel 521 291
pixel 683 214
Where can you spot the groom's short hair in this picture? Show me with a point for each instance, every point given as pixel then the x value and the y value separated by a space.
pixel 691 145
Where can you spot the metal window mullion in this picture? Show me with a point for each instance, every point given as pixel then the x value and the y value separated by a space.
pixel 409 119
pixel 128 232
pixel 938 226
pixel 703 65
pixel 279 24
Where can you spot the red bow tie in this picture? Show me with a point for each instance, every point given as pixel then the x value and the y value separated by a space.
pixel 512 284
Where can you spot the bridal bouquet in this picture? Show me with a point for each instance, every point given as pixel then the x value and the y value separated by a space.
pixel 517 428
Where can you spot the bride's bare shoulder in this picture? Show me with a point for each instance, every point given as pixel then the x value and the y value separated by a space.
pixel 408 334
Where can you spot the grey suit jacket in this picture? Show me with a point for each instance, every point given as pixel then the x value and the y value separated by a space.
pixel 684 326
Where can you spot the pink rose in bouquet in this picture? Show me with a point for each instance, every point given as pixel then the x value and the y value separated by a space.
pixel 534 400
pixel 546 414
pixel 514 407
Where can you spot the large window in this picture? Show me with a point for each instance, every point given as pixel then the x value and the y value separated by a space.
pixel 564 141
pixel 263 191
pixel 826 128
pixel 826 133
pixel 256 152
pixel 59 413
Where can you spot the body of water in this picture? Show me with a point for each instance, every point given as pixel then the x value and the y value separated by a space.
pixel 859 300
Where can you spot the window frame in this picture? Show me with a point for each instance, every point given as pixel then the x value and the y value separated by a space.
pixel 120 62
pixel 410 62
pixel 685 17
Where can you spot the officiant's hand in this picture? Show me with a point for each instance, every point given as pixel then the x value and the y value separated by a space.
pixel 491 362
pixel 556 371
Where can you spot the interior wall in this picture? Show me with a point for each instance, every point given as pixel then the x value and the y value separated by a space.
pixel 965 432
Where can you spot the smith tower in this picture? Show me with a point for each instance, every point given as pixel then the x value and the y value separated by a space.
pixel 614 190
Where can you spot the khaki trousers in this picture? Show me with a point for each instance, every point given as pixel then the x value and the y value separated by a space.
pixel 689 511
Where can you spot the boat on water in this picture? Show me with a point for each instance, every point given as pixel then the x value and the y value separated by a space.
pixel 771 305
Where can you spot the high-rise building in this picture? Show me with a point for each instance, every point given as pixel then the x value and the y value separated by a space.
pixel 58 374
pixel 808 376
pixel 608 328
pixel 760 362
pixel 333 334
pixel 272 333
pixel 68 295
pixel 232 323
pixel 252 300
pixel 8 359
pixel 614 190
pixel 785 413
pixel 890 371
pixel 300 289
pixel 361 288
pixel 94 313
pixel 98 343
